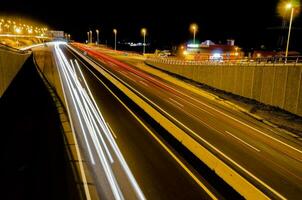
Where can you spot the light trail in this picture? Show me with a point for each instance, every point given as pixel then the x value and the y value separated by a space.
pixel 94 128
pixel 193 133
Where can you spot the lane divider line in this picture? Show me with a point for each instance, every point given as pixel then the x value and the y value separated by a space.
pixel 181 105
pixel 234 136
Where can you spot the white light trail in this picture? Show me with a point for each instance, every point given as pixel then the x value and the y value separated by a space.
pixel 93 127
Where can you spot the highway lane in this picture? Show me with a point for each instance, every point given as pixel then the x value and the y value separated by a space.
pixel 160 172
pixel 275 161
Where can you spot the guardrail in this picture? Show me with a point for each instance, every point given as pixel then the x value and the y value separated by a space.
pixel 293 60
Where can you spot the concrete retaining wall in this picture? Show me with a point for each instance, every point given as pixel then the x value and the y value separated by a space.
pixel 46 63
pixel 276 85
pixel 10 64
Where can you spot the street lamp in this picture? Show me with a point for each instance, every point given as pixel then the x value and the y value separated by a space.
pixel 90 36
pixel 18 30
pixel 97 36
pixel 194 28
pixel 289 6
pixel 115 32
pixel 87 37
pixel 144 32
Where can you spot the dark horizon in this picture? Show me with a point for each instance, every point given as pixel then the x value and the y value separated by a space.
pixel 250 24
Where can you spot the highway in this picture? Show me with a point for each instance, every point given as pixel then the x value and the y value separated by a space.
pixel 264 156
pixel 126 152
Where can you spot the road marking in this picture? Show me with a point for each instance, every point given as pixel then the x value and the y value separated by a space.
pixel 243 141
pixel 205 124
pixel 145 84
pixel 159 141
pixel 176 102
pixel 255 129
pixel 195 105
pixel 111 131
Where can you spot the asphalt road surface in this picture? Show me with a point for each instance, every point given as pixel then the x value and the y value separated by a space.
pixel 263 155
pixel 159 171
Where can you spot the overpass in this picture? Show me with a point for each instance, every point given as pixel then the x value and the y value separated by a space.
pixel 136 136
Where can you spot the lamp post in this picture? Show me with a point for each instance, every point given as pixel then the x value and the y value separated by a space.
pixel 115 32
pixel 97 36
pixel 194 28
pixel 289 6
pixel 90 36
pixel 144 32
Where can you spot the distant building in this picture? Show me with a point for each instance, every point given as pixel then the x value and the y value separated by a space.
pixel 55 34
pixel 208 50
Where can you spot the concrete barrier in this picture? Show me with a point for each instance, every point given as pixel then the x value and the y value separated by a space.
pixel 272 84
pixel 44 58
pixel 10 64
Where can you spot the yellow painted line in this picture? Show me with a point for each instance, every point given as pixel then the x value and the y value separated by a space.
pixel 111 131
pixel 161 143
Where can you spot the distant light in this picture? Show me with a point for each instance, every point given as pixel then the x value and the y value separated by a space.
pixel 185 53
pixel 194 27
pixel 193 45
pixel 144 31
pixel 236 54
pixel 18 30
pixel 114 31
pixel 216 55
pixel 258 55
pixel 288 6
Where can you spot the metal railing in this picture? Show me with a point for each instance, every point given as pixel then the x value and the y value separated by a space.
pixel 280 60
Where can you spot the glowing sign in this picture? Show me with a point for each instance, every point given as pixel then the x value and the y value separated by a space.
pixel 193 45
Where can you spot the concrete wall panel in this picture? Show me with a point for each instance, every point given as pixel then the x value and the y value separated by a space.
pixel 276 85
pixel 292 86
pixel 248 81
pixel 267 85
pixel 257 83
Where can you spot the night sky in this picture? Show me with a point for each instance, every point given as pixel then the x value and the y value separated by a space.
pixel 250 23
